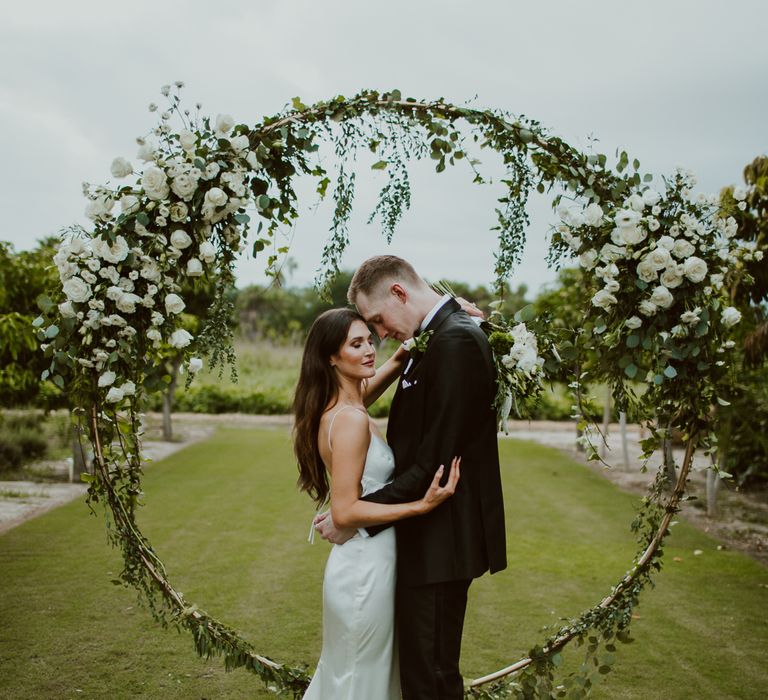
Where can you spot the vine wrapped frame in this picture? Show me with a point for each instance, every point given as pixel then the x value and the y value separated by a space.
pixel 267 157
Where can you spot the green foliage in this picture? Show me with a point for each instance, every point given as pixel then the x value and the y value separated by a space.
pixel 25 278
pixel 21 440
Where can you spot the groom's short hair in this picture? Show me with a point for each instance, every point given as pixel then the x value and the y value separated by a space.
pixel 375 270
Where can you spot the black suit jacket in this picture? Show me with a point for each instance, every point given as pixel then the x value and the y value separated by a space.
pixel 443 407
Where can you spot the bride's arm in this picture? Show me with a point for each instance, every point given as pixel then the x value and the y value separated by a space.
pixel 351 436
pixel 385 375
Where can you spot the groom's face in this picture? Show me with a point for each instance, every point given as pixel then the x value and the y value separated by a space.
pixel 388 311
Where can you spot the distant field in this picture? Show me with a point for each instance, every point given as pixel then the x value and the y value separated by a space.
pixel 227 520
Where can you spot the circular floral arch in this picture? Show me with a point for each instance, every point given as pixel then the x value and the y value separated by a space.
pixel 654 326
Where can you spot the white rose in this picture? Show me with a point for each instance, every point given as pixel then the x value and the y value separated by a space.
pixel 179 212
pixel 683 248
pixel 626 218
pixel 740 193
pixel 174 304
pixel 647 308
pixel 633 322
pixel 211 171
pixel 651 197
pixel 610 252
pixel 114 320
pixel 253 160
pixel 121 168
pixel 195 365
pixel 129 204
pixel 150 271
pixel 671 277
pixel 154 335
pixel 632 235
pixel 127 302
pixel 114 395
pixel 612 286
pixel 659 257
pixel 635 202
pixel 208 252
pixel 593 215
pixel 67 310
pixel 155 183
pixel 115 253
pixel 180 338
pixel 128 389
pixel 662 297
pixel 528 360
pixel 184 186
pixel 656 210
pixel 240 143
pixel 653 224
pixel 690 317
pixel 695 269
pixel 77 290
pixel 180 239
pixel 194 267
pixel 646 271
pixel 146 152
pixel 224 123
pixel 666 242
pixel 99 208
pixel 187 139
pixel 107 378
pixel 603 299
pixel 587 259
pixel 216 197
pixel 731 316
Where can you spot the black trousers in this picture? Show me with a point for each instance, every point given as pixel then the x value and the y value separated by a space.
pixel 430 621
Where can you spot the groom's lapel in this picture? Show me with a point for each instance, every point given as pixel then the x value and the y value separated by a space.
pixel 450 307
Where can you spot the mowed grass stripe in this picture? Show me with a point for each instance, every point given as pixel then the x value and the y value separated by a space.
pixel 225 517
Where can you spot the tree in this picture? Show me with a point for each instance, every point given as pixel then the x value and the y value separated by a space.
pixel 24 277
pixel 743 425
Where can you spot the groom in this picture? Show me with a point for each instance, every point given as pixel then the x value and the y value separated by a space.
pixel 443 407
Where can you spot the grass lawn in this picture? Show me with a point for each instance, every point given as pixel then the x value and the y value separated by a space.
pixel 226 518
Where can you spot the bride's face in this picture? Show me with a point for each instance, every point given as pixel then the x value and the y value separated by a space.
pixel 356 357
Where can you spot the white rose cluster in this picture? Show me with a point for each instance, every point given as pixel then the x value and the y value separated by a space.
pixel 524 353
pixel 659 248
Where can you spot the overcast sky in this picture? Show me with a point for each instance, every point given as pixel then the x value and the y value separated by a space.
pixel 672 81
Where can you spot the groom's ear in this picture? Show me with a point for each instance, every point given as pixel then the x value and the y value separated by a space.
pixel 399 292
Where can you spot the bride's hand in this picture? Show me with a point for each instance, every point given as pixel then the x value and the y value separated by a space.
pixel 436 494
pixel 469 307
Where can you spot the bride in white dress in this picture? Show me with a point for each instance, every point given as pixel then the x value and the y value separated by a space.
pixel 333 435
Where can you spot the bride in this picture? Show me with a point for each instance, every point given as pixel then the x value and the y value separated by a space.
pixel 334 436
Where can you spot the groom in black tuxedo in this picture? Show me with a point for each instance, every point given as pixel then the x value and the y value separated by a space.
pixel 443 407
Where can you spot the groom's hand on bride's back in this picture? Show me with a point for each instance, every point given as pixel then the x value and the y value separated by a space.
pixel 328 531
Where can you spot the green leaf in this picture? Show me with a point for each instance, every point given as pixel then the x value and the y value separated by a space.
pixel 633 340
pixel 39 321
pixel 142 218
pixel 379 165
pixel 670 371
pixel 262 201
pixel 58 380
pixel 51 331
pixel 658 379
pixel 723 402
pixel 242 218
pixel 526 314
pixel 44 302
pixel 631 370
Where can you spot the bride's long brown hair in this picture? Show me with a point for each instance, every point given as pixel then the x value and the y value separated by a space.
pixel 317 387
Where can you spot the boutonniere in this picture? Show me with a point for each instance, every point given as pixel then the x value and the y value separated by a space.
pixel 418 343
